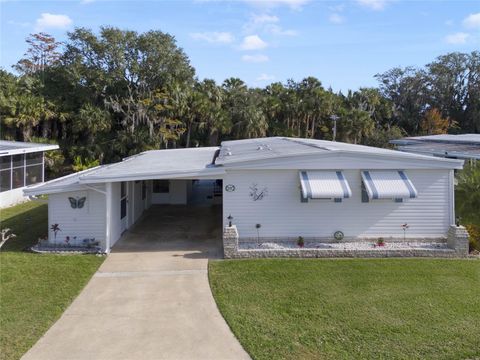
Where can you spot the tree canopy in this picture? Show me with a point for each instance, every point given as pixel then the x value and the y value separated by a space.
pixel 116 93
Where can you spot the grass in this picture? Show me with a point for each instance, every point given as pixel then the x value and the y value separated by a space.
pixel 34 289
pixel 351 308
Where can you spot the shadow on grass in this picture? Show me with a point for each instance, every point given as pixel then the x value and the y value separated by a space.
pixel 28 221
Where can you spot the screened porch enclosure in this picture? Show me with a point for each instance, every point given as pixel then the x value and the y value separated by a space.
pixel 17 171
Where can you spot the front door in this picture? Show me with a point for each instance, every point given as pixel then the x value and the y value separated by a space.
pixel 123 206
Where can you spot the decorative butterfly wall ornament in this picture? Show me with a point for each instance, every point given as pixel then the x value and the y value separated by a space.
pixel 256 193
pixel 78 202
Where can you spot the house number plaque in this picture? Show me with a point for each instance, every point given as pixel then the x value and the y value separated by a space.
pixel 229 187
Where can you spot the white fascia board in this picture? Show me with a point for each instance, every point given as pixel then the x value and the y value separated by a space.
pixel 52 186
pixel 153 176
pixel 29 150
pixel 53 190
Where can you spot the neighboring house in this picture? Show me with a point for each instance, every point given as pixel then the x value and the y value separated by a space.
pixel 274 188
pixel 21 164
pixel 465 146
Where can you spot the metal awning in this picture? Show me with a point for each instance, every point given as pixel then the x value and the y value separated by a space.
pixel 324 185
pixel 388 184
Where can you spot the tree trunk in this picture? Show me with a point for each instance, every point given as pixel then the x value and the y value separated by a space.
pixel 213 138
pixel 189 130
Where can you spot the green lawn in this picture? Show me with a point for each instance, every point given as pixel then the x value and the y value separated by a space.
pixel 34 289
pixel 351 308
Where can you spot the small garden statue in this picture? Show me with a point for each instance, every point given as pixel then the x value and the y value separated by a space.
pixel 404 228
pixel 6 236
pixel 55 228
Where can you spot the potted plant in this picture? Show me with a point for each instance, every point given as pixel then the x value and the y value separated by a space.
pixel 301 242
pixel 380 242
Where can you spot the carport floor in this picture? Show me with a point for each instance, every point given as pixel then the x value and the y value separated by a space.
pixel 151 298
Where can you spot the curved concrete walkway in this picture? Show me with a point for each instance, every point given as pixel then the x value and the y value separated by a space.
pixel 150 299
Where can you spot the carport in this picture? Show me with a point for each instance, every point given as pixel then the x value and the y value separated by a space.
pixel 162 179
pixel 190 231
pixel 103 202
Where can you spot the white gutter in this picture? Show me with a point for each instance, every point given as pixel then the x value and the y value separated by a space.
pixel 27 150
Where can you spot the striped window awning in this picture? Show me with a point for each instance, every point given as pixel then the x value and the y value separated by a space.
pixel 388 184
pixel 324 185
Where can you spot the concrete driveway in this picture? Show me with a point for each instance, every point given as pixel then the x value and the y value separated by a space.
pixel 151 297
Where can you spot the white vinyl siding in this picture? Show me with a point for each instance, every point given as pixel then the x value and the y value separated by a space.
pixel 177 195
pixel 87 222
pixel 115 225
pixel 282 214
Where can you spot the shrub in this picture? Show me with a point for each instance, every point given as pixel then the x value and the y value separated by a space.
pixel 474 236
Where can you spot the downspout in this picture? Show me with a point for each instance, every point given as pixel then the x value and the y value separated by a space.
pixel 108 216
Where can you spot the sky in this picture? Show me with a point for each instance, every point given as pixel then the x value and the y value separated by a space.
pixel 342 43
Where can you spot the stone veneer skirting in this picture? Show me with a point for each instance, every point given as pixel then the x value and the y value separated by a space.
pixel 457 241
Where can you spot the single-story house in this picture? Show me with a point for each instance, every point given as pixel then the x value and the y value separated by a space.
pixel 271 189
pixel 21 164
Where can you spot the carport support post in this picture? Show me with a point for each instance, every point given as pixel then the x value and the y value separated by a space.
pixel 108 231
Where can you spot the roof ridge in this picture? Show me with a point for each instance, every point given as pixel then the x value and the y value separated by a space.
pixel 299 141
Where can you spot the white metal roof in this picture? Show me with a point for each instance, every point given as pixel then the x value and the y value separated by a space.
pixel 194 163
pixel 18 147
pixel 159 164
pixel 239 151
pixel 465 146
pixel 450 138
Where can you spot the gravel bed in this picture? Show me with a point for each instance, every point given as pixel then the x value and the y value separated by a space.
pixel 52 249
pixel 344 246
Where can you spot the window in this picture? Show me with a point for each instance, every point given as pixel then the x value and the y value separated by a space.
pixel 18 177
pixel 161 186
pixel 34 174
pixel 144 190
pixel 5 162
pixel 34 168
pixel 34 158
pixel 5 173
pixel 5 180
pixel 18 171
pixel 18 160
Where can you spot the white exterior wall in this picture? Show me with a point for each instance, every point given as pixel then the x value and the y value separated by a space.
pixel 12 197
pixel 87 222
pixel 282 214
pixel 178 194
pixel 115 223
pixel 135 207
